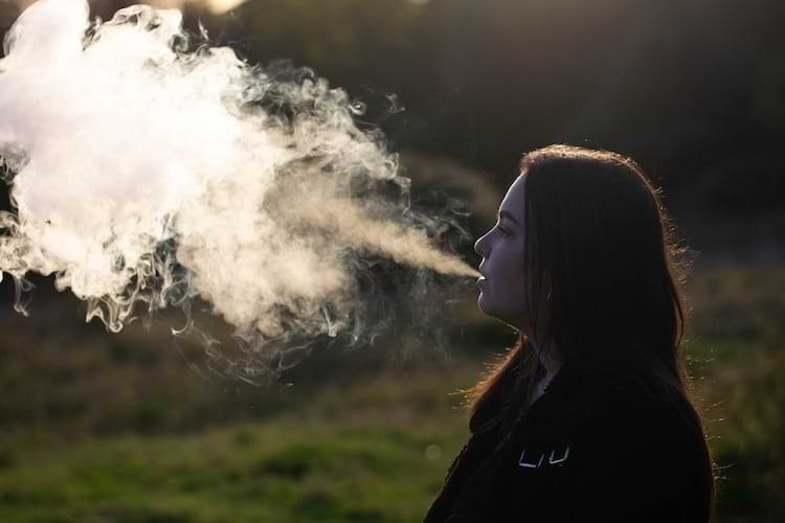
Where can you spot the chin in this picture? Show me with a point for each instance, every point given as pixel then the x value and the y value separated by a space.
pixel 484 305
pixel 487 307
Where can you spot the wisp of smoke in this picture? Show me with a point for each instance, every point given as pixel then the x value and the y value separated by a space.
pixel 216 7
pixel 146 170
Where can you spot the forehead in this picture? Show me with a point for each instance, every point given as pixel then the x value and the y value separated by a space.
pixel 513 200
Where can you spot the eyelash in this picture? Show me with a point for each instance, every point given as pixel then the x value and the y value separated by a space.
pixel 503 231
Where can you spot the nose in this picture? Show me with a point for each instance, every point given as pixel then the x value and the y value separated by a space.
pixel 479 246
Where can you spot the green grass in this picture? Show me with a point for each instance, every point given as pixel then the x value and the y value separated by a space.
pixel 747 429
pixel 119 429
pixel 377 453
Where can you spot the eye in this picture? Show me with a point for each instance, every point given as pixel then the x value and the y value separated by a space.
pixel 502 230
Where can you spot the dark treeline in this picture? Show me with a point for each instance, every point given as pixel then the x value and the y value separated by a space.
pixel 694 89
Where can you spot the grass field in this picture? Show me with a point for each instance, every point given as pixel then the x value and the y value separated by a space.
pixel 113 429
pixel 376 452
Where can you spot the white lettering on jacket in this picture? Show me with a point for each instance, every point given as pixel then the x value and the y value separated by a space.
pixel 553 459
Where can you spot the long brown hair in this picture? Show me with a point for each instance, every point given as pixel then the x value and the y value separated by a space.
pixel 600 245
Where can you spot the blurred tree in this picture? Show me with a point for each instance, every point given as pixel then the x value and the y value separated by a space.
pixel 694 90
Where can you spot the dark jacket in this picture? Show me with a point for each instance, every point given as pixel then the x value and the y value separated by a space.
pixel 582 452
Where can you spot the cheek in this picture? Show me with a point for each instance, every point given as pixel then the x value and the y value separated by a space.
pixel 506 281
pixel 510 265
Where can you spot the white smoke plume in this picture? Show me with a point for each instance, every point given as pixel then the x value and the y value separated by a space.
pixel 149 170
pixel 216 7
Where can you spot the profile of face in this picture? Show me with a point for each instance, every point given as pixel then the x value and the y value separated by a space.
pixel 502 285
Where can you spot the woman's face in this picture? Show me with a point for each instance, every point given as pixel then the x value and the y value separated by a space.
pixel 502 285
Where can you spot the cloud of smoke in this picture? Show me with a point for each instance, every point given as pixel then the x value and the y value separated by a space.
pixel 217 7
pixel 149 169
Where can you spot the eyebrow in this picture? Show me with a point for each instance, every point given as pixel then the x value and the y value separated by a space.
pixel 509 216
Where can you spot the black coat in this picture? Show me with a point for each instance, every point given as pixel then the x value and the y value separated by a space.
pixel 582 452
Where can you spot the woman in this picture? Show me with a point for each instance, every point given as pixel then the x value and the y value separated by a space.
pixel 589 417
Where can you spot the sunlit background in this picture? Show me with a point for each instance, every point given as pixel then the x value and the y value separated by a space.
pixel 137 427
